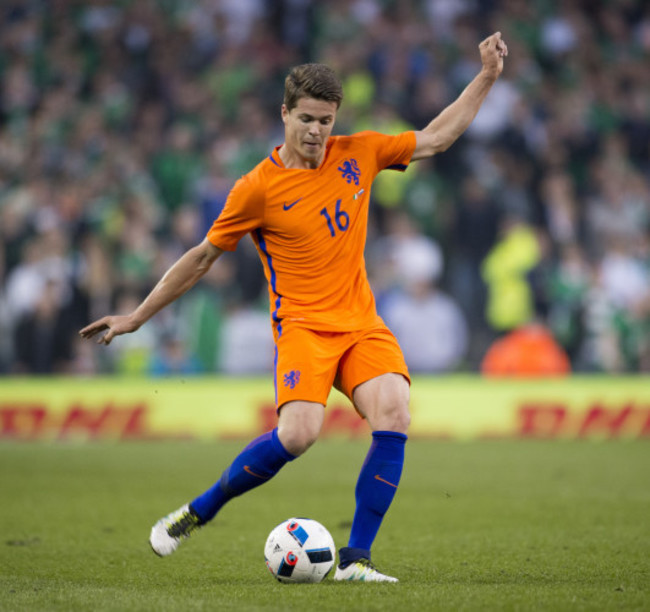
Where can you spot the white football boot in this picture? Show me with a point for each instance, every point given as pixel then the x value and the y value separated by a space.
pixel 168 533
pixel 362 570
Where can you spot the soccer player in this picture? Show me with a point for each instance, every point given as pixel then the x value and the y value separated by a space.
pixel 306 208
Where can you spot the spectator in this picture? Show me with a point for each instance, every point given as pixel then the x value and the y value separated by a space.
pixel 247 345
pixel 43 336
pixel 527 351
pixel 505 270
pixel 427 322
pixel 172 358
pixel 429 326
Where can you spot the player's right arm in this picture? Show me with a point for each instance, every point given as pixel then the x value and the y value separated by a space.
pixel 183 275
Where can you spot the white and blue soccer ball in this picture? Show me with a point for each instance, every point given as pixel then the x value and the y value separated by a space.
pixel 299 550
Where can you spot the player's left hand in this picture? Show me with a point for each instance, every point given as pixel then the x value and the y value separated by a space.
pixel 493 49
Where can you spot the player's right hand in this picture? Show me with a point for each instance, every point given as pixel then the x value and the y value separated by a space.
pixel 493 49
pixel 115 324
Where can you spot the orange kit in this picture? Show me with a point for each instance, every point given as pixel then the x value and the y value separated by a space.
pixel 309 227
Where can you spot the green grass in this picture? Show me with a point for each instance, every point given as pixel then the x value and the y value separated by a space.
pixel 475 526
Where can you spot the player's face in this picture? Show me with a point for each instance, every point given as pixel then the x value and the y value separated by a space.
pixel 307 128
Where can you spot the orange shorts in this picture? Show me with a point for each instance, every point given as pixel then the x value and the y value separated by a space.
pixel 308 362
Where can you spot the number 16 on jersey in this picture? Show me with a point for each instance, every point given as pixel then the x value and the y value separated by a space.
pixel 341 218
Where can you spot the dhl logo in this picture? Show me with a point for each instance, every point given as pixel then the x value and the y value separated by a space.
pixel 555 420
pixel 27 421
pixel 532 419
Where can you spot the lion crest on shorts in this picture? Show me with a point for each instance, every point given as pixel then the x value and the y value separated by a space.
pixel 292 378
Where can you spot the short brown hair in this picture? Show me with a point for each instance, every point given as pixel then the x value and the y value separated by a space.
pixel 312 81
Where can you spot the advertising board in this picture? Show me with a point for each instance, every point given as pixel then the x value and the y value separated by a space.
pixel 208 408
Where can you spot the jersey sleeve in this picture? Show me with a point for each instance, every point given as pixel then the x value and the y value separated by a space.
pixel 242 213
pixel 391 152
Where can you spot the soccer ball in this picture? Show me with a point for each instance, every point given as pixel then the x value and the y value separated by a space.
pixel 299 550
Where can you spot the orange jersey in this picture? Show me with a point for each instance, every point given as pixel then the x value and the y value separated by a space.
pixel 309 227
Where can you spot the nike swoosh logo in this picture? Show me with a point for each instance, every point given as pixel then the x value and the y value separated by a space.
pixel 380 479
pixel 247 469
pixel 286 206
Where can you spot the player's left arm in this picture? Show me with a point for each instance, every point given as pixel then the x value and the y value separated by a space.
pixel 445 129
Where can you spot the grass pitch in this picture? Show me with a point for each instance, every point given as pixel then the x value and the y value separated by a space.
pixel 475 526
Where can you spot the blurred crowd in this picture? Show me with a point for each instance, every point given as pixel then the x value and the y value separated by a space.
pixel 124 123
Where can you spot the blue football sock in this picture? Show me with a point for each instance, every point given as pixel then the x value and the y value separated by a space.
pixel 375 490
pixel 257 463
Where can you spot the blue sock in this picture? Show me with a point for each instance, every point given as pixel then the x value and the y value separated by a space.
pixel 257 463
pixel 375 490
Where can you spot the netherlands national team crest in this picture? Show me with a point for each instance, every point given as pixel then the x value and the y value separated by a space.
pixel 350 171
pixel 292 378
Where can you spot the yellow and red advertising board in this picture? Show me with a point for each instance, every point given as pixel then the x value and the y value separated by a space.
pixel 455 407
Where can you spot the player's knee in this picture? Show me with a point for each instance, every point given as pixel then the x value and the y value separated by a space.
pixel 397 419
pixel 299 426
pixel 404 421
pixel 297 441
pixel 392 413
